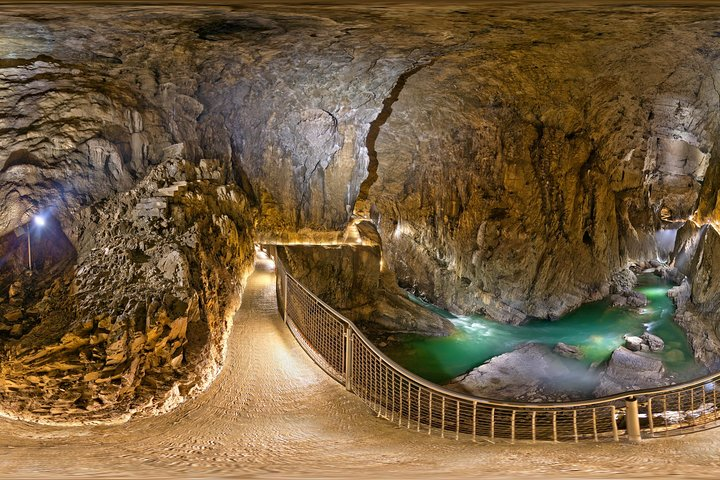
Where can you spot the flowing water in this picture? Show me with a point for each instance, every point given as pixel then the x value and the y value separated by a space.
pixel 596 328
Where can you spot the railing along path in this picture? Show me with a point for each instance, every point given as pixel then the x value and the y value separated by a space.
pixel 412 402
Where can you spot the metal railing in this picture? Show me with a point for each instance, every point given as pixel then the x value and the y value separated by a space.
pixel 412 402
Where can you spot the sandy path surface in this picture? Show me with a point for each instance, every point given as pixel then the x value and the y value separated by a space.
pixel 273 413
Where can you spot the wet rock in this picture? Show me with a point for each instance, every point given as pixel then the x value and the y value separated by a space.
pixel 628 370
pixel 655 343
pixel 569 351
pixel 618 300
pixel 655 263
pixel 637 300
pixel 528 373
pixel 633 343
pixel 349 278
pixel 623 282
pixel 631 299
pixel 680 294
pixel 394 312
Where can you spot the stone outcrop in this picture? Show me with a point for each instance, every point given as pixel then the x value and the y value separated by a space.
pixel 351 279
pixel 510 198
pixel 628 370
pixel 528 373
pixel 629 299
pixel 470 150
pixel 569 351
pixel 512 167
pixel 138 321
pixel 645 343
pixel 686 243
pixel 698 296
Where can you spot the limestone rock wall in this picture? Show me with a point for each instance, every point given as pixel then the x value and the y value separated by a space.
pixel 468 135
pixel 518 184
pixel 513 161
pixel 353 280
pixel 696 266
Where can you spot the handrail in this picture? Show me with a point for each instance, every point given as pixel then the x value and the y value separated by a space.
pixel 540 405
pixel 345 352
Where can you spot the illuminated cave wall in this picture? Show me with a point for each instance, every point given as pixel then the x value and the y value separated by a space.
pixel 513 162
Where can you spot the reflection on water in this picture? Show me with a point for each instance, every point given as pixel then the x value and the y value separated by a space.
pixel 596 328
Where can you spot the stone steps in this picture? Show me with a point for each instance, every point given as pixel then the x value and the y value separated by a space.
pixel 156 206
pixel 174 189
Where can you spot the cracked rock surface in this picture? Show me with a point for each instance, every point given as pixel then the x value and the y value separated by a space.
pixel 138 321
pixel 513 161
pixel 468 134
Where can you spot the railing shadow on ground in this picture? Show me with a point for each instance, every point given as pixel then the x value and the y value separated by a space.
pixel 394 393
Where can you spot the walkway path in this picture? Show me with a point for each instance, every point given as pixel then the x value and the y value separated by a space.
pixel 273 413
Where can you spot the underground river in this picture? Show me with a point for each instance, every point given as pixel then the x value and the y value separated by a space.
pixel 596 328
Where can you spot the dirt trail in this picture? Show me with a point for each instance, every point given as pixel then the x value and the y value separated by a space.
pixel 273 413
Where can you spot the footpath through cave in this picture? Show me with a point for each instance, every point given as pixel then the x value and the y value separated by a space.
pixel 273 413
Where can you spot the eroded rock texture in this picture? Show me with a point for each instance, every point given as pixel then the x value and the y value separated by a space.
pixel 514 162
pixel 350 278
pixel 518 183
pixel 565 136
pixel 138 322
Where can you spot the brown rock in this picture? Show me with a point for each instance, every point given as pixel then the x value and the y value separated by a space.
pixel 17 330
pixel 13 315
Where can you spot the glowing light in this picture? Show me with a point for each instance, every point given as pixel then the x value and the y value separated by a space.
pixel 39 221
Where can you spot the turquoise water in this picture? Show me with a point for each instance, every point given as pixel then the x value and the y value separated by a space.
pixel 596 328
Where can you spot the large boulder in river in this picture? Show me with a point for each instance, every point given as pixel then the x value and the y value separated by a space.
pixel 653 341
pixel 628 370
pixel 633 343
pixel 528 373
pixel 629 299
pixel 568 351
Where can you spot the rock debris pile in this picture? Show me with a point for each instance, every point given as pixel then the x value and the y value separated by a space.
pixel 139 322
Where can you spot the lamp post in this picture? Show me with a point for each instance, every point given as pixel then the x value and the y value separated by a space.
pixel 29 249
pixel 39 221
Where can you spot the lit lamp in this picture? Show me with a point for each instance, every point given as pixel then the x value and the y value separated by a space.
pixel 39 222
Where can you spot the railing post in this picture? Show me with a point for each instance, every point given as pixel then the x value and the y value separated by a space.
pixel 348 358
pixel 285 291
pixel 632 419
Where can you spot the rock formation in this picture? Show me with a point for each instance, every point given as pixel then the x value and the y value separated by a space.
pixel 645 343
pixel 628 370
pixel 513 163
pixel 351 279
pixel 698 296
pixel 138 321
pixel 531 372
